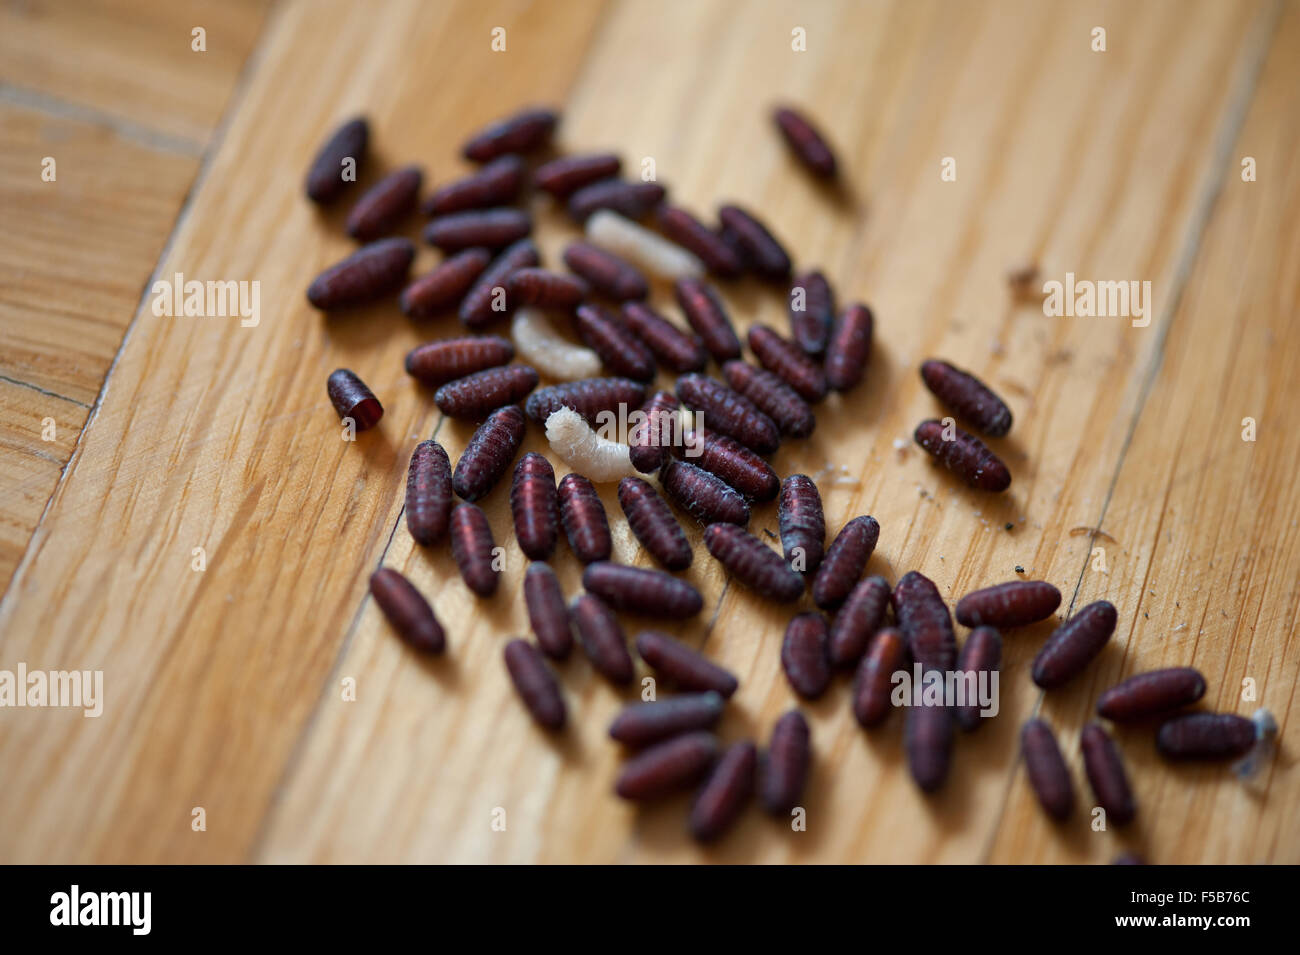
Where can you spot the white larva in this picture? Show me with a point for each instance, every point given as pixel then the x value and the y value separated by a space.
pixel 540 345
pixel 639 245
pixel 582 449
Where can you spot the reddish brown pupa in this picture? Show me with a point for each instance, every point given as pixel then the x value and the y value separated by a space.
pixel 752 562
pixel 706 497
pixel 725 793
pixel 873 682
pixel 483 303
pixel 642 590
pixel 1150 694
pixel 407 611
pixel 672 347
pixel 1074 644
pixel 371 272
pixel 473 397
pixel 845 561
pixel 445 285
pixel 849 347
pixel 812 311
pixel 428 493
pixel 584 520
pixel 352 399
pixel 438 362
pixel 706 314
pixel 521 133
pixel 860 616
pixel 803 655
pixel 1205 736
pixel 967 397
pixel 788 362
pixel 694 236
pixel 730 460
pixel 802 523
pixel 605 272
pixel 683 667
pixel 773 397
pixel 927 739
pixel 601 638
pixel 535 684
pixel 325 180
pixel 1013 604
pixel 489 453
pixel 621 352
pixel 1106 775
pixel 652 521
pixel 640 724
pixel 762 249
pixel 651 437
pixel 981 653
pixel 547 612
pixel 630 199
pixel 545 289
pixel 728 412
pixel 590 397
pixel 563 176
pixel 1045 766
pixel 787 764
pixel 808 145
pixel 478 228
pixel 385 204
pixel 534 506
pixel 667 767
pixel 496 184
pixel 472 547
pixel 964 455
pixel 924 619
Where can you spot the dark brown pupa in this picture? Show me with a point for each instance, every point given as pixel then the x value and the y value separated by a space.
pixel 621 352
pixel 489 453
pixel 651 438
pixel 521 133
pixel 787 764
pixel 807 144
pixel 726 411
pixel 1074 644
pixel 352 399
pixel 924 619
pixel 632 200
pixel 873 682
pixel 535 684
pixel 683 667
pixel 1205 736
pixel 803 655
pixel 640 724
pixel 1106 775
pixel 706 497
pixel 964 455
pixel 1013 604
pixel 407 611
pixel 671 346
pixel 534 506
pixel 443 287
pixel 584 520
pixel 773 397
pixel 1150 694
pixel 764 253
pixel 482 303
pixel 642 590
pixel 730 460
pixel 563 176
pixel 860 616
pixel 472 547
pixel 369 273
pixel 812 311
pixel 475 396
pixel 602 639
pixel 981 653
pixel 844 561
pixel 667 767
pixel 496 184
pixel 478 228
pixel 428 493
pixel 652 521
pixel 849 347
pixel 547 612
pixel 545 289
pixel 788 362
pixel 383 207
pixel 1045 766
pixel 694 236
pixel 325 181
pixel 605 272
pixel 436 363
pixel 802 523
pixel 589 397
pixel 967 397
pixel 927 739
pixel 725 793
pixel 707 316
pixel 752 562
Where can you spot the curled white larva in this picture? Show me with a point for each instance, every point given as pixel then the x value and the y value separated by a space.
pixel 540 345
pixel 639 245
pixel 582 449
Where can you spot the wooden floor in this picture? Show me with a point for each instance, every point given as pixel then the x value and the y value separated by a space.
pixel 225 687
